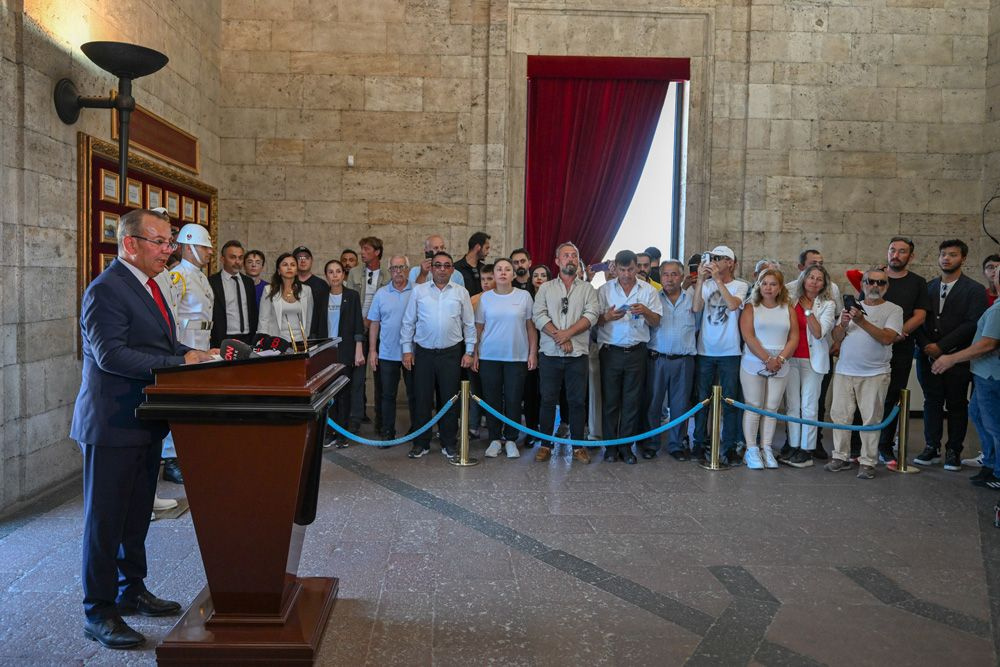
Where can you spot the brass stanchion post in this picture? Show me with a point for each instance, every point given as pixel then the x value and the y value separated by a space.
pixel 902 465
pixel 716 418
pixel 463 448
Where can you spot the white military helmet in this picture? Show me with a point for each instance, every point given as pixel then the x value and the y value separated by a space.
pixel 194 234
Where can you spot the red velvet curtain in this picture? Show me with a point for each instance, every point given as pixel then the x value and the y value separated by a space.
pixel 590 124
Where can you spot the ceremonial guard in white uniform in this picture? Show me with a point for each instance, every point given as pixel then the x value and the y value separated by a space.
pixel 191 292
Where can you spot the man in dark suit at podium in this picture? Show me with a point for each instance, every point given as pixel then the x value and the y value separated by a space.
pixel 234 313
pixel 127 330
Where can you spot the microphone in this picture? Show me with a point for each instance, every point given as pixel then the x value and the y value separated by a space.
pixel 262 343
pixel 277 344
pixel 235 350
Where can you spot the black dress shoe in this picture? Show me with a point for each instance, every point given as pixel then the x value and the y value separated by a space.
pixel 113 633
pixel 147 604
pixel 679 456
pixel 611 454
pixel 172 471
pixel 630 459
pixel 649 454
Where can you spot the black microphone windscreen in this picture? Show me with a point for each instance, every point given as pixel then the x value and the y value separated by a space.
pixel 262 343
pixel 278 344
pixel 234 350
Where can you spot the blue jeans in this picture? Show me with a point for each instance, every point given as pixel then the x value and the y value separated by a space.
pixel 727 370
pixel 983 412
pixel 671 379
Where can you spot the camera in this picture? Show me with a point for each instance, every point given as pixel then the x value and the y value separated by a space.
pixel 851 302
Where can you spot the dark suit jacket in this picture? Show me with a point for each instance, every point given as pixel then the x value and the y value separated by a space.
pixel 319 288
pixel 352 326
pixel 954 327
pixel 219 323
pixel 124 337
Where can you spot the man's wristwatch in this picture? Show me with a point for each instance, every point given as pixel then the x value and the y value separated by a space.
pixel 809 312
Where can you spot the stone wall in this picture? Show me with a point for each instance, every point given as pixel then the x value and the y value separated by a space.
pixel 39 44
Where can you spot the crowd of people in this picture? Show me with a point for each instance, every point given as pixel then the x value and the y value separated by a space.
pixel 563 357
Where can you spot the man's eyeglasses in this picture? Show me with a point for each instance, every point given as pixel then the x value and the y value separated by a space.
pixel 876 281
pixel 164 245
pixel 397 269
pixel 441 265
pixel 565 305
pixel 716 258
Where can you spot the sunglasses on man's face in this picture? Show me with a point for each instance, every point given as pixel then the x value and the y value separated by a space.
pixel 716 258
pixel 441 265
pixel 875 281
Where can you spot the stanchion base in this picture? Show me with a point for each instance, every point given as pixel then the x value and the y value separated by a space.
pixel 908 470
pixel 464 464
pixel 708 466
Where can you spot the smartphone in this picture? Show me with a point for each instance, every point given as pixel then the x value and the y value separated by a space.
pixel 602 266
pixel 622 308
pixel 851 302
pixel 706 257
pixel 428 254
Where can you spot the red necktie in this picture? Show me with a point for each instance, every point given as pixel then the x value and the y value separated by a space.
pixel 158 298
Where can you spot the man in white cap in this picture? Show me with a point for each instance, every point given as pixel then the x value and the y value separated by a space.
pixel 719 297
pixel 192 299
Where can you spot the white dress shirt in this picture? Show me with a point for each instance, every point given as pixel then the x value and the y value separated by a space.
pixel 276 315
pixel 631 329
pixel 231 282
pixel 436 318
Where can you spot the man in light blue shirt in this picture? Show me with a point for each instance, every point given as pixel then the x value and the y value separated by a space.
pixel 421 273
pixel 672 349
pixel 438 336
pixel 385 353
pixel 628 308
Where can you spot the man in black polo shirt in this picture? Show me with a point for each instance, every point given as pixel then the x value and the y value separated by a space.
pixel 320 288
pixel 469 266
pixel 908 291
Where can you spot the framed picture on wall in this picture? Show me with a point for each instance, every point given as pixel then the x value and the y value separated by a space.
pixel 109 227
pixel 187 209
pixel 202 213
pixel 106 259
pixel 133 193
pixel 154 196
pixel 109 186
pixel 173 204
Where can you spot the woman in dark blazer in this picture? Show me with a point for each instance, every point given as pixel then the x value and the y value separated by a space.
pixel 341 307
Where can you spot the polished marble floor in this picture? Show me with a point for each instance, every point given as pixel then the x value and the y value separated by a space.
pixel 516 563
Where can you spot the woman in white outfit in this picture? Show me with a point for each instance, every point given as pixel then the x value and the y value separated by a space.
pixel 286 307
pixel 770 333
pixel 815 311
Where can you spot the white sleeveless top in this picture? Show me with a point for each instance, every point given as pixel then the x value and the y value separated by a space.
pixel 771 325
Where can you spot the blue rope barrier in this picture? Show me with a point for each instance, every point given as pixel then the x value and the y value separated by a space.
pixel 591 443
pixel 810 422
pixel 398 441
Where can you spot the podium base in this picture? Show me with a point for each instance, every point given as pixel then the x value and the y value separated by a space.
pixel 293 643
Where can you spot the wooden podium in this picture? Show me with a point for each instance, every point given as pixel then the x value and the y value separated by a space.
pixel 249 437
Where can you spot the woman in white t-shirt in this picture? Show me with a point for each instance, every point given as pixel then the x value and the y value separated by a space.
pixel 770 333
pixel 506 349
pixel 286 308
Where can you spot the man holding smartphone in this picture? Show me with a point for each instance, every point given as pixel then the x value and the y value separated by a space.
pixel 861 378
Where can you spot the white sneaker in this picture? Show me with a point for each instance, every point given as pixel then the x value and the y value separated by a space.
pixel 493 450
pixel 163 504
pixel 769 460
pixel 978 461
pixel 512 452
pixel 752 458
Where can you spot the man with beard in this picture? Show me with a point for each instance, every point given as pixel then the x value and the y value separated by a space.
pixel 469 266
pixel 654 263
pixel 644 265
pixel 304 261
pixel 957 302
pixel 521 260
pixel 565 308
pixel 862 375
pixel 908 291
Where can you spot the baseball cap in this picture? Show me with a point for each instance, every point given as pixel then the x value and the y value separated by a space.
pixel 302 250
pixel 723 251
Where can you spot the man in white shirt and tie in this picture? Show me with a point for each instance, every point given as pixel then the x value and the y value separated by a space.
pixel 234 314
pixel 438 337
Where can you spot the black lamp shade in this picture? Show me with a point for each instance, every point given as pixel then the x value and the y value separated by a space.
pixel 126 61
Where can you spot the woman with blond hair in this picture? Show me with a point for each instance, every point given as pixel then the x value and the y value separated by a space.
pixel 770 333
pixel 815 312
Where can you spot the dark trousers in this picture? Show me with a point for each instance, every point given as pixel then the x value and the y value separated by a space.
pixel 436 373
pixel 532 398
pixel 899 376
pixel 349 401
pixel 727 370
pixel 623 375
pixel 503 386
pixel 950 389
pixel 118 488
pixel 358 402
pixel 388 376
pixel 554 373
pixel 670 379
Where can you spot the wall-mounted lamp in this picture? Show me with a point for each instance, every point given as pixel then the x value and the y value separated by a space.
pixel 127 62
